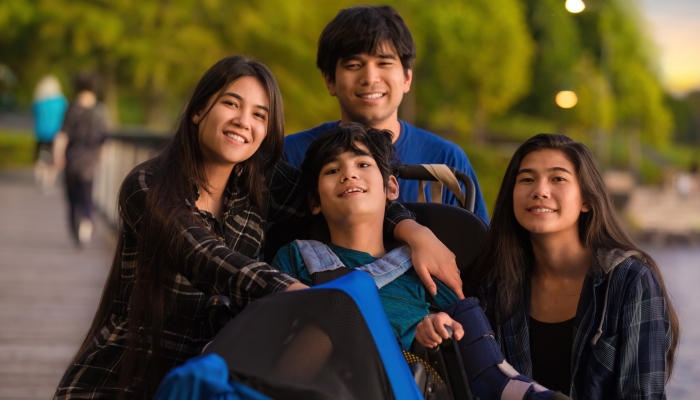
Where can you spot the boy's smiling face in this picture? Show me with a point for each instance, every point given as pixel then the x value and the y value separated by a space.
pixel 370 87
pixel 352 186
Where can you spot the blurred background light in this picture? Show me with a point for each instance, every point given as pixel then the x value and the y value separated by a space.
pixel 566 99
pixel 575 6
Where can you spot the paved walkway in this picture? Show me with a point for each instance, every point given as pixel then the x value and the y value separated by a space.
pixel 48 288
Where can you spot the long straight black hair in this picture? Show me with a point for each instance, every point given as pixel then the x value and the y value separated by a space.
pixel 507 255
pixel 176 172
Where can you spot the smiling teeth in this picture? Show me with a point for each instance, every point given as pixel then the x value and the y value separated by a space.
pixel 353 191
pixel 372 96
pixel 235 137
pixel 541 210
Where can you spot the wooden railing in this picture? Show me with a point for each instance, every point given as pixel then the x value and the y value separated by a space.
pixel 121 153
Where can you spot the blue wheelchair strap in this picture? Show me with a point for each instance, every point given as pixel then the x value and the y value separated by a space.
pixel 361 288
pixel 319 258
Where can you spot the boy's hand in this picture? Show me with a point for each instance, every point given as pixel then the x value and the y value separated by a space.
pixel 430 257
pixel 431 330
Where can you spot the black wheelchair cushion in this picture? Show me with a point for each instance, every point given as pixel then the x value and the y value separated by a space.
pixel 460 230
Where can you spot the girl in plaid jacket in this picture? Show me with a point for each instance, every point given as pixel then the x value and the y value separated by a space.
pixel 576 305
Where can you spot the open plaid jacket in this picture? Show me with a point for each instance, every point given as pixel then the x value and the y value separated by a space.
pixel 227 257
pixel 621 332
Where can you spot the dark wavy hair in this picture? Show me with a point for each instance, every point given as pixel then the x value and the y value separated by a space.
pixel 364 29
pixel 507 254
pixel 178 170
pixel 334 142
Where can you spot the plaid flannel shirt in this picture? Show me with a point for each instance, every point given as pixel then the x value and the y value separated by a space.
pixel 621 332
pixel 220 257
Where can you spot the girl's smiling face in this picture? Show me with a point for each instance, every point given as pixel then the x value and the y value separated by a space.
pixel 236 124
pixel 547 195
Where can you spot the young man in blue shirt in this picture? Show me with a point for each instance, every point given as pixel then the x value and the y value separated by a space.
pixel 348 173
pixel 366 56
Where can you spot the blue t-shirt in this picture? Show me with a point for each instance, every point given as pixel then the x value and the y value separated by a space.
pixel 414 146
pixel 403 298
pixel 48 117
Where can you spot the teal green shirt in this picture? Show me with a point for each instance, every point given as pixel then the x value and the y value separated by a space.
pixel 403 299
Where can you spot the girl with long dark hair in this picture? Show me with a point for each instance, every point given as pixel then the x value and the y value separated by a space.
pixel 575 304
pixel 192 222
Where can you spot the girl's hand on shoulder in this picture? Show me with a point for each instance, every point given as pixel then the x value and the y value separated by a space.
pixel 431 330
pixel 430 257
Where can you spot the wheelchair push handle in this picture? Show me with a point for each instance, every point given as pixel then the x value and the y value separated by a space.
pixel 421 172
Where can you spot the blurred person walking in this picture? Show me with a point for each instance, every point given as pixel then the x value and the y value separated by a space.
pixel 77 149
pixel 48 108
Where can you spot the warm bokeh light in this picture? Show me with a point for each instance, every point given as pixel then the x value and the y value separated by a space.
pixel 575 6
pixel 566 99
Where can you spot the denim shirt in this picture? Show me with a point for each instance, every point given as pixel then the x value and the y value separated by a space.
pixel 319 258
pixel 621 332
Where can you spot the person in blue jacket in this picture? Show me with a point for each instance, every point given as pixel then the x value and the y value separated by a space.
pixel 48 108
pixel 366 57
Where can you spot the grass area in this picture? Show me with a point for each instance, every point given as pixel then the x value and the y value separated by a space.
pixel 656 161
pixel 659 162
pixel 680 155
pixel 16 148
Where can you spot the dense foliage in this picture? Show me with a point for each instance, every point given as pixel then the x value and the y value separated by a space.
pixel 481 64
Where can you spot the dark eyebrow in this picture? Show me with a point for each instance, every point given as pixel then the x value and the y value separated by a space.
pixel 329 161
pixel 238 96
pixel 357 57
pixel 350 57
pixel 389 56
pixel 532 171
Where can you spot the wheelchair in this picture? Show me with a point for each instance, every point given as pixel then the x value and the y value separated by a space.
pixel 334 340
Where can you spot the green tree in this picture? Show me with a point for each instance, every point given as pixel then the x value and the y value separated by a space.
pixel 627 58
pixel 474 62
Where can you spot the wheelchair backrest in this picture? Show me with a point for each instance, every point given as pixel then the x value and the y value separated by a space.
pixel 460 230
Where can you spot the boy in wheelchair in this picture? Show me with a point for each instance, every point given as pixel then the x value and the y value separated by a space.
pixel 348 172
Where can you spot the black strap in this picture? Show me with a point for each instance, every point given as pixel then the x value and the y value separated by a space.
pixel 318 278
